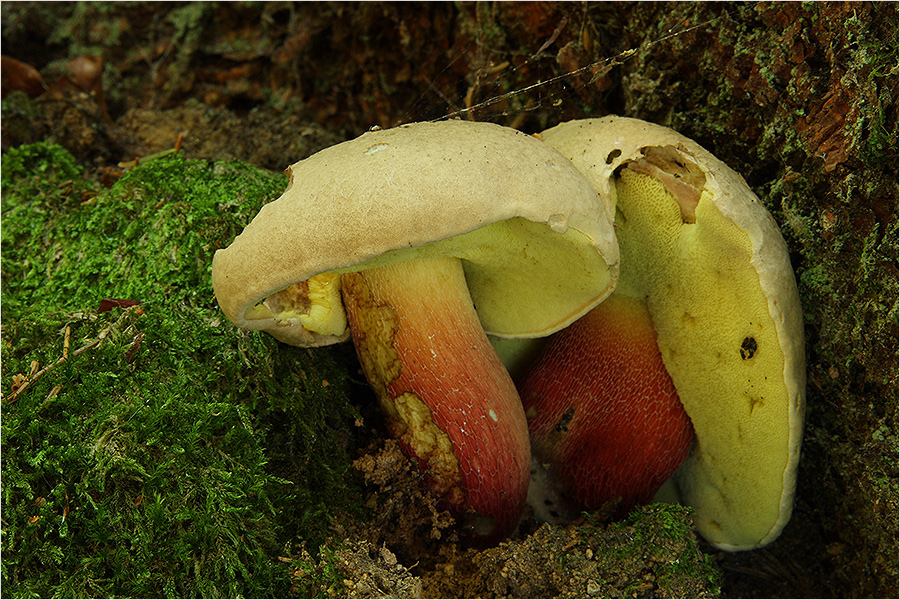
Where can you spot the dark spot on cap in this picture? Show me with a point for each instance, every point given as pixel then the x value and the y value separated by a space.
pixel 748 348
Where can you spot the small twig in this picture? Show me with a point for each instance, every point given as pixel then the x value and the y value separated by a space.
pixel 135 346
pixel 34 374
pixel 553 37
pixel 133 163
pixel 53 393
pixel 15 395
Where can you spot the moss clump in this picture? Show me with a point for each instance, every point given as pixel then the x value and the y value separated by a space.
pixel 318 578
pixel 175 455
pixel 661 531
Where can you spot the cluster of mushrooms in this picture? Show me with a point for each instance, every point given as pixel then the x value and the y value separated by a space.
pixel 632 282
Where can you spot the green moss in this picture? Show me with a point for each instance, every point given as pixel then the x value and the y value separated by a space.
pixel 661 535
pixel 35 168
pixel 177 455
pixel 662 529
pixel 318 578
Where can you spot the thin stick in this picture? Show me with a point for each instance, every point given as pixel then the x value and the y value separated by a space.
pixel 15 395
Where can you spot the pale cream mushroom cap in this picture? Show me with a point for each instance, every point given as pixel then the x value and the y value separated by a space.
pixel 724 301
pixel 536 250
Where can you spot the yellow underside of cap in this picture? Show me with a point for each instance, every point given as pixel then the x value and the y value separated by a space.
pixel 720 345
pixel 525 279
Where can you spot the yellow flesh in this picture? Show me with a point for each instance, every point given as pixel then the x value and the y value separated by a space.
pixel 719 344
pixel 316 303
pixel 326 313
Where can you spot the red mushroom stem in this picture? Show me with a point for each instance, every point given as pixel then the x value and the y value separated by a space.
pixel 602 410
pixel 443 390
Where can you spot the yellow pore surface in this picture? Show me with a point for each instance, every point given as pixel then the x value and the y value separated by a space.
pixel 720 346
pixel 525 279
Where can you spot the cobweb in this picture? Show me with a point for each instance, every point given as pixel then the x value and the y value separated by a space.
pixel 487 100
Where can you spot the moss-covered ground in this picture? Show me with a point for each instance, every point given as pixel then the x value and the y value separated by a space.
pixel 175 455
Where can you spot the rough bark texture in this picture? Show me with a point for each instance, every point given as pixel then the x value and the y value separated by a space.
pixel 799 98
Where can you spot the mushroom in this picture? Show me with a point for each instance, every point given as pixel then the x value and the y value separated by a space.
pixel 709 265
pixel 415 228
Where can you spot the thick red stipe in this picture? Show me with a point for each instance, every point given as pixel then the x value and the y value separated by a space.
pixel 602 410
pixel 446 396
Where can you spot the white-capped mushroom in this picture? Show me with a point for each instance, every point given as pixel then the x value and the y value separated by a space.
pixel 708 262
pixel 417 224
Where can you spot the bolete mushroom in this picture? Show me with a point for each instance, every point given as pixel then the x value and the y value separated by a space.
pixel 707 262
pixel 433 233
